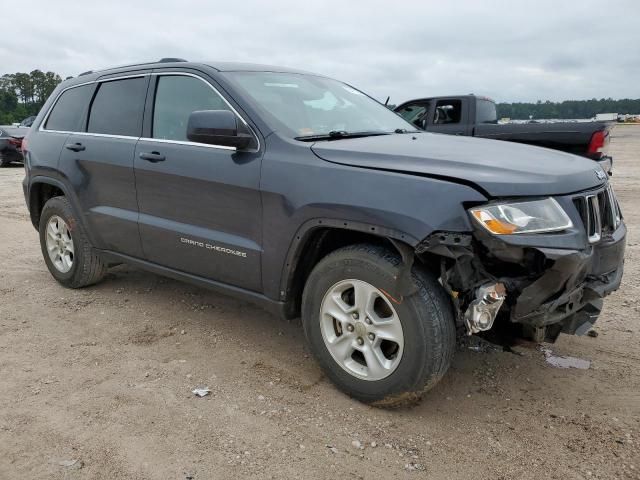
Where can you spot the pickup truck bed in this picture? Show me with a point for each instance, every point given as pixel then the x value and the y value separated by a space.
pixel 475 116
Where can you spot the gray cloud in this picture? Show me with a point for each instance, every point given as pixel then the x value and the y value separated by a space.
pixel 508 50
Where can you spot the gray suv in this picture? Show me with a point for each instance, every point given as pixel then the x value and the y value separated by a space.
pixel 306 196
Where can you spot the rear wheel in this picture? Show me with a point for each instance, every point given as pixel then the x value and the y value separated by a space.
pixel 375 347
pixel 67 252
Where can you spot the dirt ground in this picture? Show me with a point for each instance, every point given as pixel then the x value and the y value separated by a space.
pixel 96 383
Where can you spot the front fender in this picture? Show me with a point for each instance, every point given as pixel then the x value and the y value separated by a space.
pixel 300 190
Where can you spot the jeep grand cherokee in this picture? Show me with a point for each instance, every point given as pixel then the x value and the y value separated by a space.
pixel 305 195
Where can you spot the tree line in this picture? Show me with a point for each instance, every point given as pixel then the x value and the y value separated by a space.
pixel 23 94
pixel 568 108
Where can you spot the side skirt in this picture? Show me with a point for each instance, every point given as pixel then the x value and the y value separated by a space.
pixel 272 306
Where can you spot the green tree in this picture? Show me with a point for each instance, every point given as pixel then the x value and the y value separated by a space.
pixel 23 94
pixel 568 109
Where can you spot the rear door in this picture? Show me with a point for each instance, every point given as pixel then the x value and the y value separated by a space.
pixel 98 162
pixel 200 205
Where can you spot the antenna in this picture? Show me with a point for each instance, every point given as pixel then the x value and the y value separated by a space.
pixel 387 101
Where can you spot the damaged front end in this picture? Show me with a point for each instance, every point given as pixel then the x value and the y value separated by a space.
pixel 546 283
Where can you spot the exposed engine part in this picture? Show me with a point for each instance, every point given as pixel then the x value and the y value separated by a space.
pixel 483 310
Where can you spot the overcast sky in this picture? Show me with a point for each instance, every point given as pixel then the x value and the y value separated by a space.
pixel 508 50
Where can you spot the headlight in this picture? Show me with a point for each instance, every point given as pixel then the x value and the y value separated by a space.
pixel 522 217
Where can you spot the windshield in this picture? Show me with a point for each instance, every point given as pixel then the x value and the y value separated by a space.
pixel 310 106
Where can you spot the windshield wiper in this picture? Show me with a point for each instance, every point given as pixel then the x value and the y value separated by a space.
pixel 337 135
pixel 404 130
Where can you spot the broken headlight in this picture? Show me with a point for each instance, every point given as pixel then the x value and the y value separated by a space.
pixel 511 218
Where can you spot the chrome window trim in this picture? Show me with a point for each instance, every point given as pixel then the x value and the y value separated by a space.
pixel 161 140
pixel 186 142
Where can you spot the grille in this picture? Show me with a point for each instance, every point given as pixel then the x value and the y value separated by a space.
pixel 599 211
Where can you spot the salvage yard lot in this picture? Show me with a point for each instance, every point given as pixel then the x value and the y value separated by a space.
pixel 96 383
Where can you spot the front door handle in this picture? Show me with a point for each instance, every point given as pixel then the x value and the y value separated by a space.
pixel 153 157
pixel 76 147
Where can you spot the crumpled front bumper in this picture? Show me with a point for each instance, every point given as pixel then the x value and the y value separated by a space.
pixel 554 282
pixel 569 294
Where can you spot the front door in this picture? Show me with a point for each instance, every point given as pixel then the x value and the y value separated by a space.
pixel 200 205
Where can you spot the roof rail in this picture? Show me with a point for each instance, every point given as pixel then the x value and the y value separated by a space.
pixel 85 73
pixel 171 60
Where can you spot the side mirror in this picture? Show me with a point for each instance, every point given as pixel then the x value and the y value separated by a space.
pixel 217 127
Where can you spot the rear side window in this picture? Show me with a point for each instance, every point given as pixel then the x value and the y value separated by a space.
pixel 447 112
pixel 69 109
pixel 118 107
pixel 176 97
pixel 486 111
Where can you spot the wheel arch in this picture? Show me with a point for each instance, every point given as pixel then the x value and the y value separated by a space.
pixel 318 237
pixel 41 189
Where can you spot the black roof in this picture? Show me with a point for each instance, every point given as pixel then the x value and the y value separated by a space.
pixel 91 75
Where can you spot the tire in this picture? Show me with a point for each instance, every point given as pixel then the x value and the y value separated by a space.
pixel 423 354
pixel 4 162
pixel 85 266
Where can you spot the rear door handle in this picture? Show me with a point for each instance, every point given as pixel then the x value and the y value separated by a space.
pixel 76 147
pixel 153 157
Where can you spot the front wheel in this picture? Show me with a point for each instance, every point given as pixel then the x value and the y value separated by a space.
pixel 377 348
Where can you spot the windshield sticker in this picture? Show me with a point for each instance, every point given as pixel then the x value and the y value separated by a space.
pixel 352 90
pixel 281 85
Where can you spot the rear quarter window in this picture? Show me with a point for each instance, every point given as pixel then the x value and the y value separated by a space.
pixel 486 111
pixel 118 107
pixel 69 109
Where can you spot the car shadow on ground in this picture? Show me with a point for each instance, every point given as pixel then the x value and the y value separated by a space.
pixel 479 371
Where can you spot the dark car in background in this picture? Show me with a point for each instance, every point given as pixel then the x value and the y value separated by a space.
pixel 11 144
pixel 475 116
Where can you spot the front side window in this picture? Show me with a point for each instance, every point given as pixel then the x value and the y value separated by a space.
pixel 307 106
pixel 447 112
pixel 69 109
pixel 415 113
pixel 118 107
pixel 177 97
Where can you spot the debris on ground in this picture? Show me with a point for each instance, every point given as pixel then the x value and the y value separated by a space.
pixel 201 392
pixel 564 361
pixel 592 333
pixel 332 448
pixel 414 466
pixel 71 463
pixel 477 344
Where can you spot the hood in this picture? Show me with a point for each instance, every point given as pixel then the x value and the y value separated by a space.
pixel 498 168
